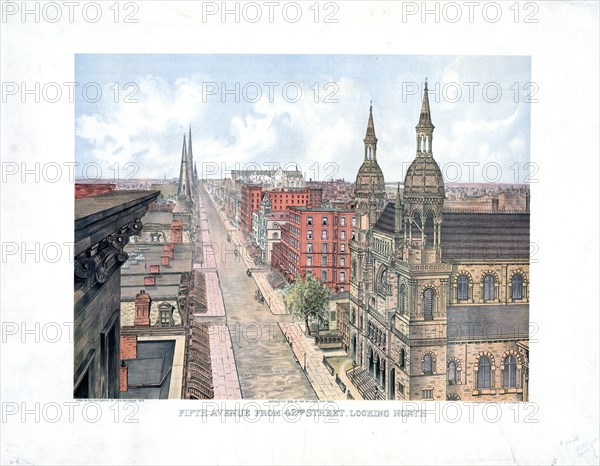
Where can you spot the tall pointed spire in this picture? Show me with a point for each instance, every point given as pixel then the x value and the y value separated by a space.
pixel 184 177
pixel 425 127
pixel 370 138
pixel 191 162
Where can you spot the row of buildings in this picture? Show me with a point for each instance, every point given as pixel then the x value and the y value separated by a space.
pixel 437 284
pixel 149 316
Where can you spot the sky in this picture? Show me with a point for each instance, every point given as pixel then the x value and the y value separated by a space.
pixel 249 111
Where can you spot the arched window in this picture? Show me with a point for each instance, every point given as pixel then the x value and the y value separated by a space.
pixel 517 287
pixel 428 304
pixel 510 371
pixel 402 298
pixel 489 288
pixel 484 373
pixel 462 288
pixel 382 282
pixel 452 372
pixel 427 364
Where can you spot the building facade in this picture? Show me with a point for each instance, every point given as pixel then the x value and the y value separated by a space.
pixel 103 227
pixel 280 199
pixel 316 241
pixel 266 228
pixel 438 306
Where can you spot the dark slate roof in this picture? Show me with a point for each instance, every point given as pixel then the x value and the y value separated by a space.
pixel 488 321
pixel 491 235
pixel 149 375
pixel 387 220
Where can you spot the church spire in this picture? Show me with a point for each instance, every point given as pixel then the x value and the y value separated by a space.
pixel 425 127
pixel 370 138
pixel 184 176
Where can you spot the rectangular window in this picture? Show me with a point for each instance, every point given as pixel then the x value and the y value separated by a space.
pixel 343 247
pixel 324 276
pixel 353 221
pixel 323 261
pixel 343 277
pixel 343 234
pixel 401 389
pixel 323 234
pixel 342 262
pixel 402 358
pixel 332 315
pixel 309 234
pixel 324 247
pixel 309 247
pixel 427 394
pixel 309 261
pixel 342 221
pixel 309 221
pixel 325 221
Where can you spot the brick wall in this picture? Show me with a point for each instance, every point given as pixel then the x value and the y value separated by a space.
pixel 128 346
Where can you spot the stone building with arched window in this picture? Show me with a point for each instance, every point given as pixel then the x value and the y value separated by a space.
pixel 438 305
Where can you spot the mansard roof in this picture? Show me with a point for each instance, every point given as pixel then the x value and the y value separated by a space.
pixel 485 235
pixel 387 220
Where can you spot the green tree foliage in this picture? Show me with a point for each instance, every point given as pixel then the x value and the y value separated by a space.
pixel 306 298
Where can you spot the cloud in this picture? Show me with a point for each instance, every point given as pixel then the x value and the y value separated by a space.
pixel 229 131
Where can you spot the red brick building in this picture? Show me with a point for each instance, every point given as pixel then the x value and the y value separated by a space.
pixel 315 240
pixel 280 199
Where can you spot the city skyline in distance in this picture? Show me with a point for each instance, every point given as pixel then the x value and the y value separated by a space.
pixel 243 112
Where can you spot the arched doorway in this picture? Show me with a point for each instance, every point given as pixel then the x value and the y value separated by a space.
pixel 392 389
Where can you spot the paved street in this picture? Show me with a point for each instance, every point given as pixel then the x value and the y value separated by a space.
pixel 267 367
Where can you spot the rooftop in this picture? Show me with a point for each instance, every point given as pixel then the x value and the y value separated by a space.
pixel 387 220
pixel 319 209
pixel 89 209
pixel 493 235
pixel 149 375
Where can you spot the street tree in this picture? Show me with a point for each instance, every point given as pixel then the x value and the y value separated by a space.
pixel 307 298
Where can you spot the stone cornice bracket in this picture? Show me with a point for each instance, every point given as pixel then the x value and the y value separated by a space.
pixel 93 264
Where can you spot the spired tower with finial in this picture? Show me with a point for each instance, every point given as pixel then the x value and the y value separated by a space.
pixel 371 200
pixel 424 195
pixel 370 184
pixel 183 209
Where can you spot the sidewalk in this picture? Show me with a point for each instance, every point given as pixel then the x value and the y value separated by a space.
pixel 323 383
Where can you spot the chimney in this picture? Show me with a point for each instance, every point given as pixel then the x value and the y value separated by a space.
pixel 177 231
pixel 142 309
pixel 168 250
pixel 128 347
pixel 123 379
